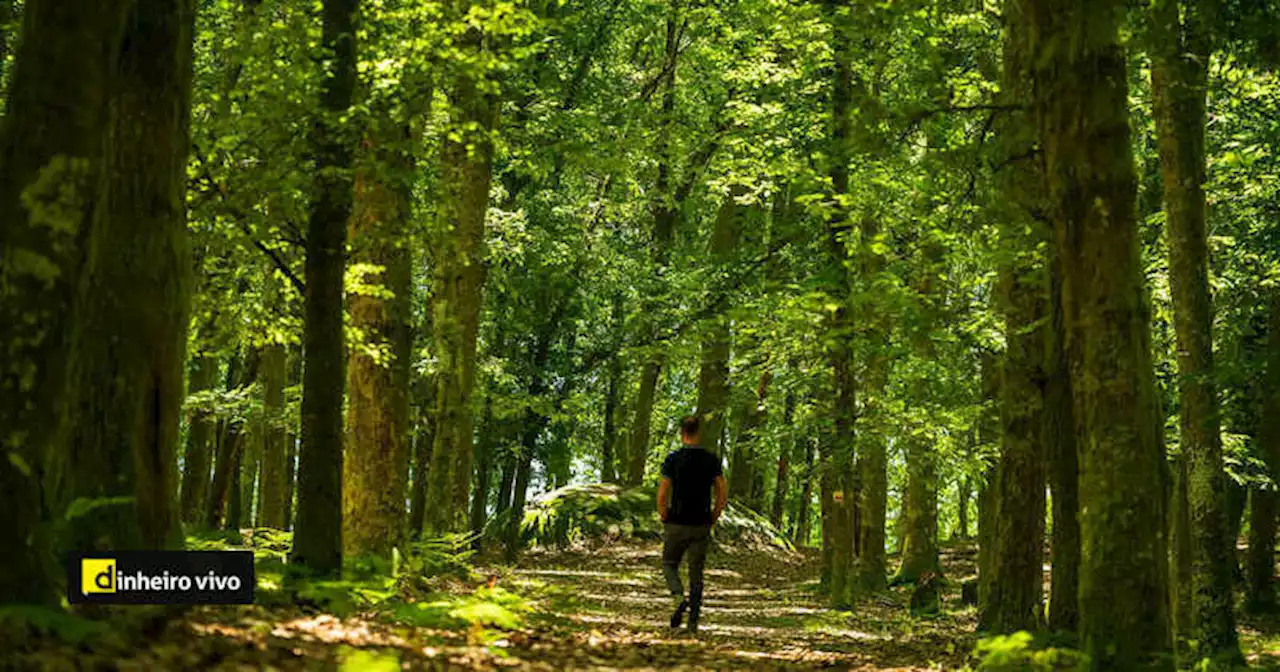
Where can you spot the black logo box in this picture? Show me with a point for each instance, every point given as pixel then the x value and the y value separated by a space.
pixel 178 563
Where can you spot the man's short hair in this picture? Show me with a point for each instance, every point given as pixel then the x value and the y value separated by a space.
pixel 689 426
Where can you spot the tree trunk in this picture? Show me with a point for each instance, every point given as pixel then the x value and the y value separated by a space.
pixel 458 249
pixel 317 538
pixel 962 509
pixel 1261 593
pixel 273 486
pixel 803 531
pixel 1179 77
pixel 250 464
pixel 423 441
pixel 839 521
pixel 51 142
pixel 1061 430
pixel 377 452
pixel 608 458
pixel 128 338
pixel 713 378
pixel 782 479
pixel 1015 599
pixel 485 449
pixel 638 453
pixel 987 513
pixel 197 461
pixel 1081 107
pixel 291 443
pixel 920 510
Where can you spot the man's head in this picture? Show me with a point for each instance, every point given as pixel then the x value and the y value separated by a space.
pixel 689 429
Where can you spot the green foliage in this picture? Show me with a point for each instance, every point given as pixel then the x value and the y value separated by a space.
pixel 608 511
pixel 1019 652
pixel 493 607
pixel 20 622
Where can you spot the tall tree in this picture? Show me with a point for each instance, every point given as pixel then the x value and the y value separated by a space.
pixel 1179 84
pixel 128 341
pixel 457 244
pixel 50 158
pixel 378 369
pixel 197 459
pixel 713 377
pixel 838 465
pixel 1081 107
pixel 273 477
pixel 317 539
pixel 1015 600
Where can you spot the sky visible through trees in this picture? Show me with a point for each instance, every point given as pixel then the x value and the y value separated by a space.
pixel 978 302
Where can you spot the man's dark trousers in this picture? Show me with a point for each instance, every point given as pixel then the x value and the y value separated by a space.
pixel 678 540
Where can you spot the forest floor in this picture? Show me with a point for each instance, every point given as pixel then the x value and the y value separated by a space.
pixel 599 608
pixel 602 608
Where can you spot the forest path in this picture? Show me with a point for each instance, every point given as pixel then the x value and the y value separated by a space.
pixel 608 609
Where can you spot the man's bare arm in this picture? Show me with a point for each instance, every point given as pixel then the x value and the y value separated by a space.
pixel 722 498
pixel 664 497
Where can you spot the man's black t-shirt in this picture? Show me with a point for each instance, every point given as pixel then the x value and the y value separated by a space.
pixel 692 471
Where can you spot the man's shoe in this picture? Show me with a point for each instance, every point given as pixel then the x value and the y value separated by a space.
pixel 693 619
pixel 679 613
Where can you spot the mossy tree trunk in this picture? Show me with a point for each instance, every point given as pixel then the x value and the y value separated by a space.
pixel 424 439
pixel 1260 594
pixel 638 452
pixel 317 538
pixel 782 479
pixel 378 368
pixel 838 466
pixel 64 63
pixel 1064 472
pixel 920 513
pixel 1179 82
pixel 1015 599
pixel 713 375
pixel 457 252
pixel 272 482
pixel 871 570
pixel 128 340
pixel 1081 105
pixel 609 458
pixel 803 514
pixel 198 458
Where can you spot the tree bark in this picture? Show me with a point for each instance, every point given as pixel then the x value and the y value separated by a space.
pixel 1081 106
pixel 377 452
pixel 273 485
pixel 638 452
pixel 1179 77
pixel 839 520
pixel 1015 599
pixel 713 377
pixel 1061 430
pixel 458 250
pixel 803 514
pixel 128 338
pixel 317 538
pixel 1260 596
pixel 51 142
pixel 920 512
pixel 197 460
pixel 423 441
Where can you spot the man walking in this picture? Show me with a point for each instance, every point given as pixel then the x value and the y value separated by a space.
pixel 684 504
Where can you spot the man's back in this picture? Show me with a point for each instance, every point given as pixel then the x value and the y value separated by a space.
pixel 692 471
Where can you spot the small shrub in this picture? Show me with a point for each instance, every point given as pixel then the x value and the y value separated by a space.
pixel 1019 652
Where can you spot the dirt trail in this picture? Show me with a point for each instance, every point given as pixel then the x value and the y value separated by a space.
pixel 761 611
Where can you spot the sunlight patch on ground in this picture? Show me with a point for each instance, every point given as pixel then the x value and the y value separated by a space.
pixel 564 572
